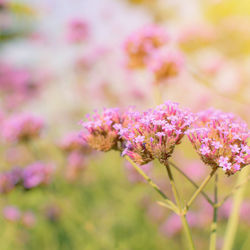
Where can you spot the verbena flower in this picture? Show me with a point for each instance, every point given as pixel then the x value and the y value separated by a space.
pixel 101 133
pixel 154 133
pixel 22 127
pixel 73 142
pixel 7 182
pixel 140 44
pixel 221 140
pixel 28 219
pixel 165 63
pixel 78 30
pixel 11 213
pixel 76 163
pixel 37 174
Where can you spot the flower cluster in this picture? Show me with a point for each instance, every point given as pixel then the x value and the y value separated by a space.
pixel 17 85
pixel 73 142
pixel 78 30
pixel 29 177
pixel 101 132
pixel 142 43
pixel 143 136
pixel 22 127
pixel 13 214
pixel 165 64
pixel 221 140
pixel 154 133
pixel 37 174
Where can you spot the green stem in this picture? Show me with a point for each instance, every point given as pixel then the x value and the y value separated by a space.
pixel 213 231
pixel 234 216
pixel 182 215
pixel 154 185
pixel 199 190
pixel 192 182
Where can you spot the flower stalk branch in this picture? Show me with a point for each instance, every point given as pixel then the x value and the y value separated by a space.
pixel 201 187
pixel 213 231
pixel 186 228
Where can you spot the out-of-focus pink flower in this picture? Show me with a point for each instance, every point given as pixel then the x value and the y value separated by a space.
pixel 28 219
pixel 173 224
pixel 22 127
pixel 11 213
pixel 165 63
pixel 195 170
pixel 37 174
pixel 221 140
pixel 75 165
pixel 140 44
pixel 6 182
pixel 52 212
pixel 72 142
pixel 18 85
pixel 78 30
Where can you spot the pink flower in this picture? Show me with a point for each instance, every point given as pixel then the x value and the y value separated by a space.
pixel 76 163
pixel 22 127
pixel 78 30
pixel 101 129
pixel 165 63
pixel 37 174
pixel 72 142
pixel 140 44
pixel 11 213
pixel 28 219
pixel 221 140
pixel 148 136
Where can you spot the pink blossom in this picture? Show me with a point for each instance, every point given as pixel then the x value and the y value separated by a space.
pixel 165 63
pixel 22 127
pixel 37 174
pixel 224 135
pixel 151 126
pixel 28 219
pixel 11 213
pixel 78 30
pixel 140 44
pixel 76 163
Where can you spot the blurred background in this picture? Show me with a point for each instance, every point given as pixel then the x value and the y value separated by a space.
pixel 60 60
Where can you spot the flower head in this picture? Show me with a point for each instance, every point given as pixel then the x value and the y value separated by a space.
pixel 154 133
pixel 11 213
pixel 101 129
pixel 165 64
pixel 37 174
pixel 221 140
pixel 140 44
pixel 78 30
pixel 73 142
pixel 22 127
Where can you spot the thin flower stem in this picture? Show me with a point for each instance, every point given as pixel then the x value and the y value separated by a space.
pixel 233 191
pixel 234 216
pixel 199 190
pixel 182 215
pixel 213 231
pixel 193 183
pixel 154 185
